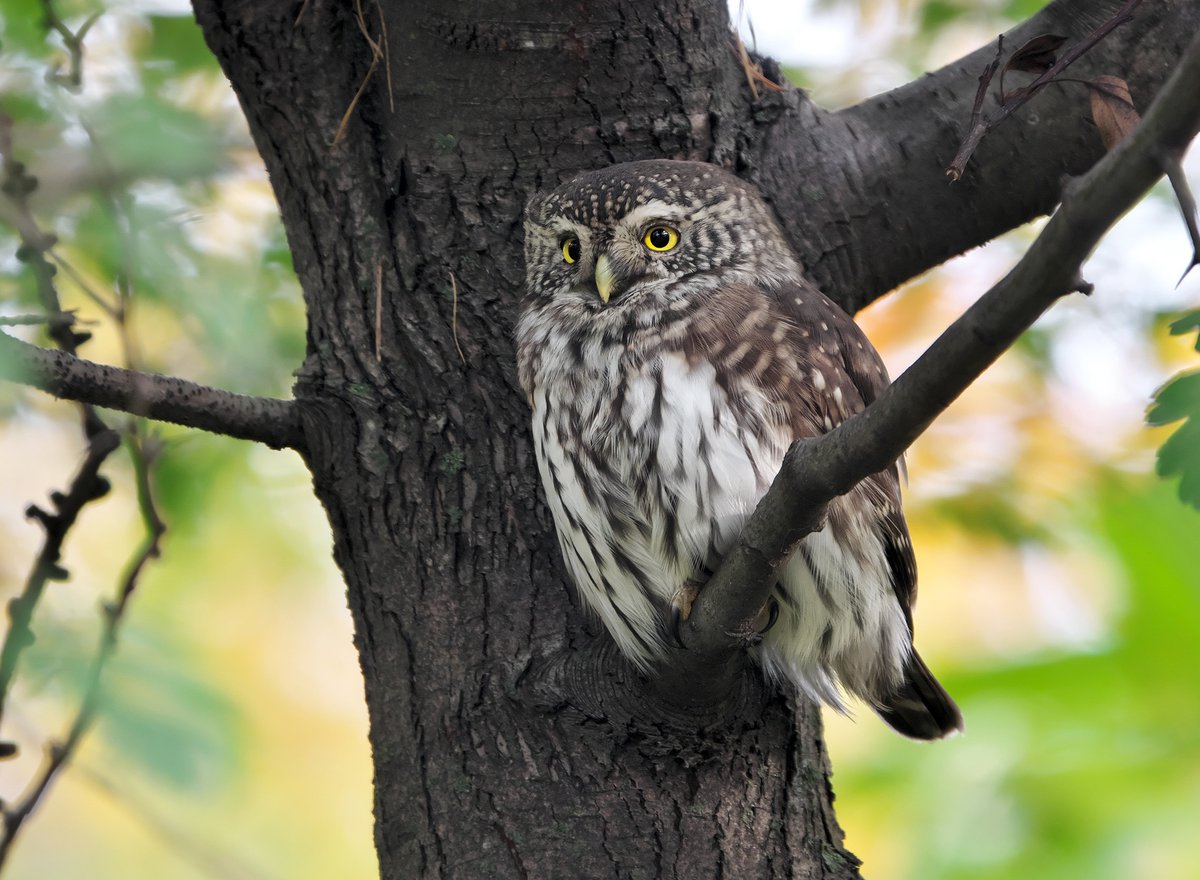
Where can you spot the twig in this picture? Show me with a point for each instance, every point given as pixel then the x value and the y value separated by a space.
pixel 17 186
pixel 173 831
pixel 67 318
pixel 379 312
pixel 454 317
pixel 87 486
pixel 377 55
pixel 816 471
pixel 981 125
pixel 165 398
pixel 73 42
pixel 1172 166
pixel 59 754
pixel 82 283
pixel 387 57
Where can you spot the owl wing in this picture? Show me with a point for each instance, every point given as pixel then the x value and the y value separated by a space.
pixel 842 374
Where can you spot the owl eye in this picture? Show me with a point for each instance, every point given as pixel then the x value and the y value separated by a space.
pixel 571 250
pixel 661 238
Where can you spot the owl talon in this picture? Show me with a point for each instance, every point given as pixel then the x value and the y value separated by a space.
pixel 681 609
pixel 677 620
pixel 772 616
pixel 771 610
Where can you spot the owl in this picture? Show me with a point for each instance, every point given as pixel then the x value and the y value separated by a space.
pixel 672 350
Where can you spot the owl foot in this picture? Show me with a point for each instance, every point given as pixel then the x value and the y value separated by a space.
pixel 681 610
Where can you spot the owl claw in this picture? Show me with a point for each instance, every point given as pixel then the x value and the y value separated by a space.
pixel 681 609
pixel 772 616
pixel 677 620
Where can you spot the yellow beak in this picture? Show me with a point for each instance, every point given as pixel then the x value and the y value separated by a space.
pixel 604 277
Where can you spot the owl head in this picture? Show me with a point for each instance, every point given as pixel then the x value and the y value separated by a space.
pixel 654 230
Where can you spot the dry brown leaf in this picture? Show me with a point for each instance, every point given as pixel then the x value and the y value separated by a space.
pixel 1037 55
pixel 1112 109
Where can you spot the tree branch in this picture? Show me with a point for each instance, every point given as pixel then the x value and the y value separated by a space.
pixel 59 754
pixel 165 398
pixel 893 150
pixel 816 471
pixel 88 485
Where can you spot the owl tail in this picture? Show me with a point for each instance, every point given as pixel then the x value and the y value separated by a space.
pixel 920 708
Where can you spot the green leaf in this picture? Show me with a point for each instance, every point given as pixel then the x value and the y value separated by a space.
pixel 1189 323
pixel 24 28
pixel 937 13
pixel 155 709
pixel 1019 10
pixel 147 137
pixel 25 109
pixel 175 46
pixel 162 717
pixel 1180 454
pixel 1178 399
pixel 993 510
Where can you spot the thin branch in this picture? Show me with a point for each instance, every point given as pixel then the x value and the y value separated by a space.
pixel 377 55
pixel 17 184
pixel 87 486
pixel 816 471
pixel 379 312
pixel 72 42
pixel 981 125
pixel 454 317
pixel 893 148
pixel 90 292
pixel 164 398
pixel 58 755
pixel 174 832
pixel 67 318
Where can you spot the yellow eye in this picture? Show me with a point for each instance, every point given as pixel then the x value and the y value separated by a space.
pixel 571 250
pixel 661 238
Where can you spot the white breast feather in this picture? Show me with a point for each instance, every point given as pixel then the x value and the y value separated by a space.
pixel 809 637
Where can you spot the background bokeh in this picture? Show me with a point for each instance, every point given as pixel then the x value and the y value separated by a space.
pixel 1060 597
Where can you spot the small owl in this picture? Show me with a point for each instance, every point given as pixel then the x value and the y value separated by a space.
pixel 672 350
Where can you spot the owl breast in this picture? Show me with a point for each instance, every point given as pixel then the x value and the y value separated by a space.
pixel 653 455
pixel 651 472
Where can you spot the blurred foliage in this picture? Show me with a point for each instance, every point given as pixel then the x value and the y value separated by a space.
pixel 232 724
pixel 1059 598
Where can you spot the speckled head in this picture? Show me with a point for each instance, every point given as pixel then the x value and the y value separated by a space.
pixel 628 231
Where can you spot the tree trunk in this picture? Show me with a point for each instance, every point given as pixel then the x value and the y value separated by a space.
pixel 509 741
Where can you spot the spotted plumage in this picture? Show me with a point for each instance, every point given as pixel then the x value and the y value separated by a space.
pixel 672 351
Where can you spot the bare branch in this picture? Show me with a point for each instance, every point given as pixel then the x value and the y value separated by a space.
pixel 818 470
pixel 893 150
pixel 164 398
pixel 58 755
pixel 17 184
pixel 87 486
pixel 72 80
pixel 981 125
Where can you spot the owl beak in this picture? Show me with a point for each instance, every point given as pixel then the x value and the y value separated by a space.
pixel 605 277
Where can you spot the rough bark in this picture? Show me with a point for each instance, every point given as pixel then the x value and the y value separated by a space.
pixel 507 741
